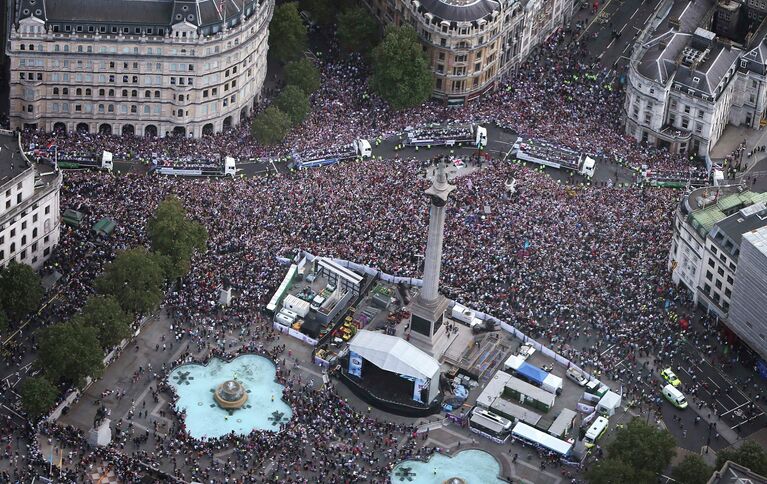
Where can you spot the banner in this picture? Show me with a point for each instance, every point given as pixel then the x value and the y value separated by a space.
pixel 355 364
pixel 417 387
pixel 583 408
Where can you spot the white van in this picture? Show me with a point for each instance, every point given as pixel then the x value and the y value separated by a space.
pixel 317 302
pixel 595 432
pixel 283 319
pixel 674 396
pixel 291 314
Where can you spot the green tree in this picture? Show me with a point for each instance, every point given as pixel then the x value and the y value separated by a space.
pixel 175 236
pixel 270 126
pixel 645 448
pixel 20 290
pixel 3 321
pixel 293 102
pixel 304 74
pixel 322 11
pixel 37 396
pixel 68 352
pixel 750 455
pixel 105 314
pixel 692 470
pixel 357 30
pixel 287 33
pixel 611 471
pixel 135 278
pixel 401 74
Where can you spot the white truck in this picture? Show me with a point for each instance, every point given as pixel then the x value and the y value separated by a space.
pixel 358 149
pixel 544 153
pixel 297 305
pixel 465 315
pixel 446 135
pixel 227 167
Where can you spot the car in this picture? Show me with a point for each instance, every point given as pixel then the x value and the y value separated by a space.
pixel 577 376
pixel 670 377
pixel 526 351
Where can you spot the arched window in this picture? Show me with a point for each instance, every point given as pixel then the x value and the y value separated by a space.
pixel 157 94
pixel 125 93
pixel 79 92
pixel 101 92
pixel 134 93
pixel 65 91
pixel 88 91
pixel 55 90
pixel 111 92
pixel 147 93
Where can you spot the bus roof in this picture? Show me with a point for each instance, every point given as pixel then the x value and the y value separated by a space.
pixel 543 439
pixel 596 428
pixel 490 423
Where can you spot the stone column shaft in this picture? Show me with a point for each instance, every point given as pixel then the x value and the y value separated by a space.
pixel 433 257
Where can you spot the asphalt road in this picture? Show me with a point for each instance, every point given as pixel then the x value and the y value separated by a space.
pixel 610 34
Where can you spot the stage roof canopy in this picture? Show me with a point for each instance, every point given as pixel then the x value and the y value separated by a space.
pixel 394 354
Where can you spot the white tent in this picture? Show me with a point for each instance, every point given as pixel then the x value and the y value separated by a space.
pixel 609 403
pixel 396 355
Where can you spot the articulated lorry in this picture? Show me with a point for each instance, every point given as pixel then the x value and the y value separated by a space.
pixel 359 149
pixel 446 135
pixel 544 153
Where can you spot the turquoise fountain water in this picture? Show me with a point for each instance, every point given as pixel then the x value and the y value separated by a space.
pixel 473 466
pixel 195 385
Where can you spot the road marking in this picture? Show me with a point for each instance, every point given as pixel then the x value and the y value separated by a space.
pixel 635 12
pixel 608 349
pixel 608 46
pixel 712 381
pixel 598 15
pixel 733 409
pixel 623 28
pixel 746 421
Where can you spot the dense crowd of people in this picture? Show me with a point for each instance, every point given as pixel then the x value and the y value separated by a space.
pixel 557 95
pixel 578 267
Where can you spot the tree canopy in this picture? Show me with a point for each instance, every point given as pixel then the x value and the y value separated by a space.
pixel 104 313
pixel 304 74
pixel 20 290
pixel 271 126
pixel 37 396
pixel 3 321
pixel 645 448
pixel 611 471
pixel 401 73
pixel 322 11
pixel 750 455
pixel 293 102
pixel 692 470
pixel 175 236
pixel 135 278
pixel 287 33
pixel 68 352
pixel 357 30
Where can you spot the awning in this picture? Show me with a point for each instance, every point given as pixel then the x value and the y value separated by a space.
pixel 104 227
pixel 394 354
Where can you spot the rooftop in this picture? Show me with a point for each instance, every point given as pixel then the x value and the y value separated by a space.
pixel 460 10
pixel 737 474
pixel 706 218
pixel 727 233
pixel 134 12
pixel 11 162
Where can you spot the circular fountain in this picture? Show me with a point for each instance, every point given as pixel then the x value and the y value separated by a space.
pixel 230 395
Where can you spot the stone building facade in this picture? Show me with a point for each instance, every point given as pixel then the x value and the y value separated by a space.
pixel 29 206
pixel 687 83
pixel 143 67
pixel 472 44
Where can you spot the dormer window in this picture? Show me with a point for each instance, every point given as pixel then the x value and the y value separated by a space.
pixel 743 63
pixel 695 80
